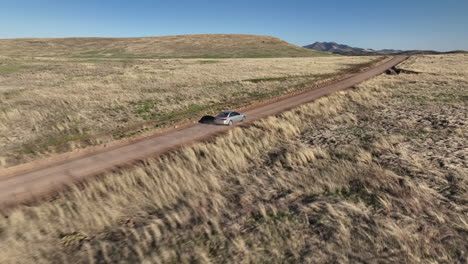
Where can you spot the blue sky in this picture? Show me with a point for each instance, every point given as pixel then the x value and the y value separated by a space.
pixel 429 24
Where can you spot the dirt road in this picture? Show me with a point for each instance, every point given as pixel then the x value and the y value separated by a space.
pixel 32 184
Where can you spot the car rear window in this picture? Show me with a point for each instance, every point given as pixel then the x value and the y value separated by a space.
pixel 223 114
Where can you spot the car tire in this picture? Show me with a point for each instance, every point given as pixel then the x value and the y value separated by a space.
pixel 243 119
pixel 230 123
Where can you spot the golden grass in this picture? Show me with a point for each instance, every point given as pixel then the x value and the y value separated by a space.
pixel 377 175
pixel 199 46
pixel 51 105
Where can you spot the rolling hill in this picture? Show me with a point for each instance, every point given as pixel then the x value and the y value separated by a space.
pixel 191 46
pixel 341 49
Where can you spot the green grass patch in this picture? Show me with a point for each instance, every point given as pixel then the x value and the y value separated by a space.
pixel 356 192
pixel 208 61
pixel 441 98
pixel 420 133
pixel 362 133
pixel 62 140
pixel 451 98
pixel 155 90
pixel 285 78
pixel 11 93
pixel 92 53
pixel 279 216
pixel 270 79
pixel 147 109
pixel 52 141
pixel 190 112
pixel 13 68
pixel 90 60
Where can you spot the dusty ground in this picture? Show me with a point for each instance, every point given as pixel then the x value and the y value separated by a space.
pixel 372 175
pixel 51 105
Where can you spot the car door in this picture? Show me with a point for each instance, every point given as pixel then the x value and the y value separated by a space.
pixel 236 117
pixel 231 117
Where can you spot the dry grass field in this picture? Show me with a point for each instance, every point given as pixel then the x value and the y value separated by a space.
pixel 182 46
pixel 52 105
pixel 377 174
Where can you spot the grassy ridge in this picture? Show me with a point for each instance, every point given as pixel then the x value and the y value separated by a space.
pixel 183 46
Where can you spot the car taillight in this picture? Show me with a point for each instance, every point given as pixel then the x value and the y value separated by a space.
pixel 223 119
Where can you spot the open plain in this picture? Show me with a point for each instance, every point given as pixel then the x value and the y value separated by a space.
pixel 377 174
pixel 34 180
pixel 57 104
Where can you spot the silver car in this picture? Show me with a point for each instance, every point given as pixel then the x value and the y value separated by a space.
pixel 229 118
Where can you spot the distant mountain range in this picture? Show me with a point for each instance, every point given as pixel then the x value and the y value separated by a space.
pixel 341 49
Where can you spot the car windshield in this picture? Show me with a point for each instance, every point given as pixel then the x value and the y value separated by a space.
pixel 223 114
